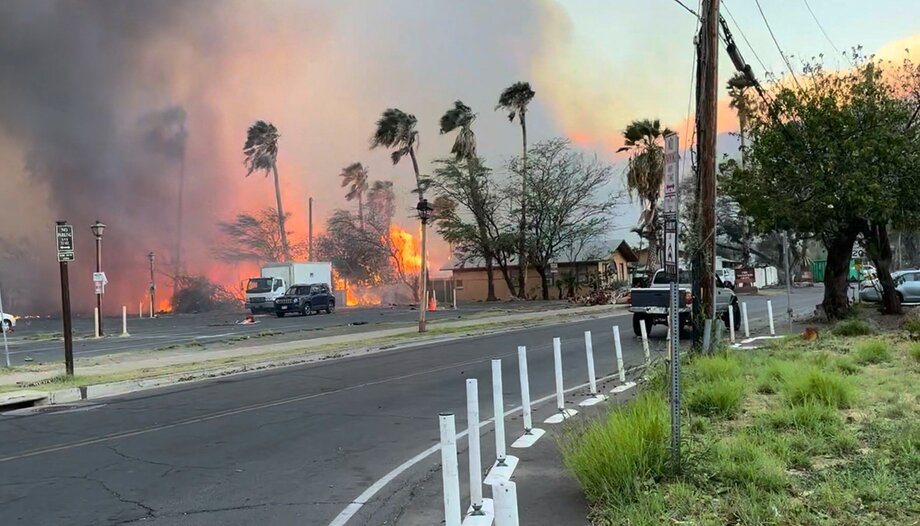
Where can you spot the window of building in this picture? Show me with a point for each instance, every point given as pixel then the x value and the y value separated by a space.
pixel 458 284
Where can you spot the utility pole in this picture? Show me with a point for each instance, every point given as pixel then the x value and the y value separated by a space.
pixel 65 253
pixel 708 65
pixel 153 285
pixel 310 227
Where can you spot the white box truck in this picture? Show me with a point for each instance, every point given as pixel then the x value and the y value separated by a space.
pixel 275 278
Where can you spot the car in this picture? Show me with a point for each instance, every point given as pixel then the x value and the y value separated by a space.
pixel 651 304
pixel 9 322
pixel 305 300
pixel 727 276
pixel 906 281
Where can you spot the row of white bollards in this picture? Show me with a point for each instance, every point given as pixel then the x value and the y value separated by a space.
pixel 502 508
pixel 97 329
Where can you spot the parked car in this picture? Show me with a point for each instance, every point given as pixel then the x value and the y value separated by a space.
pixel 906 281
pixel 651 304
pixel 305 300
pixel 727 276
pixel 9 322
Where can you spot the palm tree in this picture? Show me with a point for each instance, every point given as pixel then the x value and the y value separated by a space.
pixel 354 176
pixel 396 130
pixel 514 100
pixel 644 177
pixel 461 118
pixel 737 90
pixel 261 151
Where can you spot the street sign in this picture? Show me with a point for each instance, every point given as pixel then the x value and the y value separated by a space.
pixel 100 281
pixel 64 242
pixel 671 204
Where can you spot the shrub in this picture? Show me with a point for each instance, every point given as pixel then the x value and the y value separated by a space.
pixel 914 351
pixel 912 326
pixel 809 417
pixel 853 328
pixel 875 351
pixel 719 366
pixel 774 375
pixel 613 459
pixel 719 398
pixel 847 365
pixel 816 386
pixel 742 462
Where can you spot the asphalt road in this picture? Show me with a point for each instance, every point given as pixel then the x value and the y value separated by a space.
pixel 287 446
pixel 39 340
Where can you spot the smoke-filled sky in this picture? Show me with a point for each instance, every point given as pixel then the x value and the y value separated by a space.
pixel 95 98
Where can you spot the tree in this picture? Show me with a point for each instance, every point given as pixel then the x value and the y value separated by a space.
pixel 515 99
pixel 467 189
pixel 261 151
pixel 255 237
pixel 357 257
pixel 739 100
pixel 572 202
pixel 837 157
pixel 644 177
pixel 354 177
pixel 396 130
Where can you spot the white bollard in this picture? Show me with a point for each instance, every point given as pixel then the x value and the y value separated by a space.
pixel 124 320
pixel 595 398
pixel 644 331
pixel 624 385
pixel 504 463
pixel 506 508
pixel 744 318
pixel 531 434
pixel 96 322
pixel 472 417
pixel 731 324
pixel 770 315
pixel 562 412
pixel 450 472
pixel 140 310
pixel 707 336
pixel 455 299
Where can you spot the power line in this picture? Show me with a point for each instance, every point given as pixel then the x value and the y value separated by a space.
pixel 746 41
pixel 691 11
pixel 831 42
pixel 780 49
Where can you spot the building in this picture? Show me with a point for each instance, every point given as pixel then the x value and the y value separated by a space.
pixel 600 266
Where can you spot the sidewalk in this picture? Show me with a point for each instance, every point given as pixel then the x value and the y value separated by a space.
pixel 183 361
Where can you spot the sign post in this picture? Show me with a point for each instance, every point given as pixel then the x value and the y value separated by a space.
pixel 65 255
pixel 671 269
pixel 6 347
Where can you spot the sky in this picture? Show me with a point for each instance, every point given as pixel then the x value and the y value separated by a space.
pixel 81 81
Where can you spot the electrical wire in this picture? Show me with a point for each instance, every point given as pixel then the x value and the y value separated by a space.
pixel 821 27
pixel 746 41
pixel 780 49
pixel 691 11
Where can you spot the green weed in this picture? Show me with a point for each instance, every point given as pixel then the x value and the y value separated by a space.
pixel 872 352
pixel 719 398
pixel 741 461
pixel 722 366
pixel 814 385
pixel 914 352
pixel 853 328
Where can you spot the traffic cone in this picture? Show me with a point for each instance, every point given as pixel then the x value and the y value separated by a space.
pixel 432 303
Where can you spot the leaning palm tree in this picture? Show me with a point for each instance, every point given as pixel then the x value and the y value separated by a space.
pixel 514 100
pixel 739 101
pixel 396 130
pixel 644 177
pixel 354 176
pixel 261 151
pixel 461 118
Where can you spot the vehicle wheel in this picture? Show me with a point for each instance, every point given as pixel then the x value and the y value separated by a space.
pixel 253 312
pixel 308 310
pixel 279 314
pixel 637 322
pixel 7 326
pixel 331 308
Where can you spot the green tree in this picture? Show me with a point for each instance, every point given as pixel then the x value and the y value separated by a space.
pixel 255 237
pixel 515 99
pixel 396 130
pixel 644 177
pixel 354 177
pixel 837 157
pixel 261 151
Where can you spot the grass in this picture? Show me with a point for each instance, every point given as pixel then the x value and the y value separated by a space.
pixel 823 436
pixel 872 352
pixel 854 327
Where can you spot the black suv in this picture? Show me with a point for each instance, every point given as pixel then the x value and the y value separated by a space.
pixel 305 299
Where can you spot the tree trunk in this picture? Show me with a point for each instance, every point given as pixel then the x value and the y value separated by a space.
pixel 881 253
pixel 284 241
pixel 544 284
pixel 522 241
pixel 490 279
pixel 651 264
pixel 418 175
pixel 836 304
pixel 506 275
pixel 360 210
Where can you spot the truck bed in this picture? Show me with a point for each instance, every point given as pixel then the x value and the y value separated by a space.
pixel 654 300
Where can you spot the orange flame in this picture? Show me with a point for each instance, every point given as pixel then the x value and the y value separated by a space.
pixel 164 306
pixel 407 251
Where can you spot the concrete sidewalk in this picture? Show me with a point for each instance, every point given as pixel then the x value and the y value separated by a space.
pixel 189 358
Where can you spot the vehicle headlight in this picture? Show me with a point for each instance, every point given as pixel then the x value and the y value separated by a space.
pixel 296 300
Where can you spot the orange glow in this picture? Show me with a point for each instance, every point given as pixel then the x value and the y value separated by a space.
pixel 406 249
pixel 164 306
pixel 357 294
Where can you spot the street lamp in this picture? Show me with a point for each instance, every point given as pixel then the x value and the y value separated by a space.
pixel 424 214
pixel 98 228
pixel 153 285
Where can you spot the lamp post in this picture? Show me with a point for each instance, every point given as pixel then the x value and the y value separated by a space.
pixel 153 285
pixel 424 214
pixel 98 228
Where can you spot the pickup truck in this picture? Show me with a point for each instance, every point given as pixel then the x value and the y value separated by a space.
pixel 651 304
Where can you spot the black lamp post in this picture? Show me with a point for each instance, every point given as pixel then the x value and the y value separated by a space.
pixel 424 214
pixel 153 285
pixel 98 228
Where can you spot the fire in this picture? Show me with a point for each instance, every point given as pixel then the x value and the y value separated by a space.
pixel 356 294
pixel 164 306
pixel 407 251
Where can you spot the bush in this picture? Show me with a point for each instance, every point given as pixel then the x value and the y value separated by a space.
pixel 912 326
pixel 872 352
pixel 810 417
pixel 614 459
pixel 774 375
pixel 742 462
pixel 816 386
pixel 914 352
pixel 853 328
pixel 722 366
pixel 719 398
pixel 847 365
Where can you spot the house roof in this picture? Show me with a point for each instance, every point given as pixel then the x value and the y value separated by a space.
pixel 600 251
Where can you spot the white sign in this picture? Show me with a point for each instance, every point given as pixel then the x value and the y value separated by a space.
pixel 100 281
pixel 671 173
pixel 64 242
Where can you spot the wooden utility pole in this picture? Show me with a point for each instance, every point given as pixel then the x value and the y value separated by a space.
pixel 310 228
pixel 706 149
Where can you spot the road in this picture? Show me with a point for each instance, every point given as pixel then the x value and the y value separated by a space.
pixel 287 446
pixel 39 340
